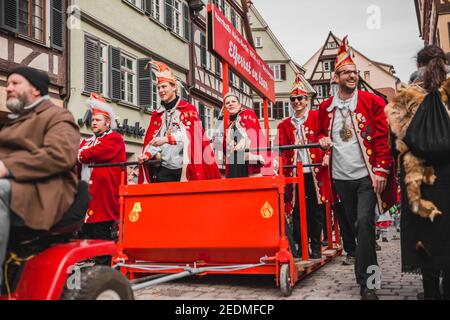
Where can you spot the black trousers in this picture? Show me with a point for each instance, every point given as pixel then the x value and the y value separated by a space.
pixel 315 215
pixel 167 175
pixel 431 284
pixel 359 201
pixel 346 230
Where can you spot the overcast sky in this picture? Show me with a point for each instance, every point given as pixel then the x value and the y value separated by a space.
pixel 303 25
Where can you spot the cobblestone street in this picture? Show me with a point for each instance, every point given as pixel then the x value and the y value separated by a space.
pixel 333 282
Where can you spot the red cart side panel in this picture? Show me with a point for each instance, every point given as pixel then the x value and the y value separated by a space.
pixel 217 222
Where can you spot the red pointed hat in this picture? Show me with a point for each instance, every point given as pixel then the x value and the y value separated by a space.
pixel 345 55
pixel 163 72
pixel 298 88
pixel 98 105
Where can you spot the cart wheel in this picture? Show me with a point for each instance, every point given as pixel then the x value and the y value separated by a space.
pixel 99 283
pixel 285 280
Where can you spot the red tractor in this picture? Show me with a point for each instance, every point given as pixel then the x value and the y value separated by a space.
pixel 50 266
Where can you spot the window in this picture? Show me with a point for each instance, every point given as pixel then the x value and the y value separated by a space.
pixel 207 117
pixel 103 70
pixel 203 51
pixel 155 10
pixel 221 5
pixel 209 65
pixel 276 72
pixel 258 42
pixel 367 76
pixel 287 109
pixel 218 68
pixel 234 19
pixel 259 110
pixel 96 66
pixel 279 71
pixel 127 79
pixel 332 45
pixel 137 3
pixel 32 19
pixel 278 110
pixel 319 91
pixel 234 80
pixel 177 18
pixel 327 66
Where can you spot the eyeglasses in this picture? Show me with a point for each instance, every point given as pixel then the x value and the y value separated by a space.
pixel 299 98
pixel 349 72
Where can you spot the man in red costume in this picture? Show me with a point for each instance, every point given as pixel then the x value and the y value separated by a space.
pixel 298 130
pixel 105 146
pixel 176 137
pixel 354 131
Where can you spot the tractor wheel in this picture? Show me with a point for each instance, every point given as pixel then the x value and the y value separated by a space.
pixel 285 280
pixel 99 283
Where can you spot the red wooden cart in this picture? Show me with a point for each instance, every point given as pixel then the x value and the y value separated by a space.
pixel 232 226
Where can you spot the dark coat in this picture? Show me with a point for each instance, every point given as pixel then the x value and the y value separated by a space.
pixel 40 150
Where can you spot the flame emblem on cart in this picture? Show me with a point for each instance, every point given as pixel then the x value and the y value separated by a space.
pixel 267 211
pixel 134 214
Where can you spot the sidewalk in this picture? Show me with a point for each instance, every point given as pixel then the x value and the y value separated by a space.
pixel 333 282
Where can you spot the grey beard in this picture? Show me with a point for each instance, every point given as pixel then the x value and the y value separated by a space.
pixel 16 106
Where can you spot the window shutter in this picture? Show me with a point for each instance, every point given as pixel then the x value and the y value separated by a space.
pixel 203 50
pixel 91 65
pixel 9 15
pixel 57 24
pixel 283 71
pixel 148 7
pixel 114 74
pixel 144 84
pixel 169 14
pixel 201 111
pixel 186 22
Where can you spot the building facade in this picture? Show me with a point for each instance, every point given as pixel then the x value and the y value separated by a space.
pixel 111 45
pixel 376 77
pixel 33 33
pixel 206 78
pixel 283 67
pixel 433 17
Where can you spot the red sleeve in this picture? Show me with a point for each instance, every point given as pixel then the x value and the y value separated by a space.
pixel 383 155
pixel 282 140
pixel 322 126
pixel 105 151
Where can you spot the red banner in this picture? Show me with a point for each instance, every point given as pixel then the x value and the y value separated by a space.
pixel 226 42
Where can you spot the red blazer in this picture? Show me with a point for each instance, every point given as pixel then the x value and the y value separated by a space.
pixel 287 136
pixel 371 126
pixel 202 163
pixel 104 182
